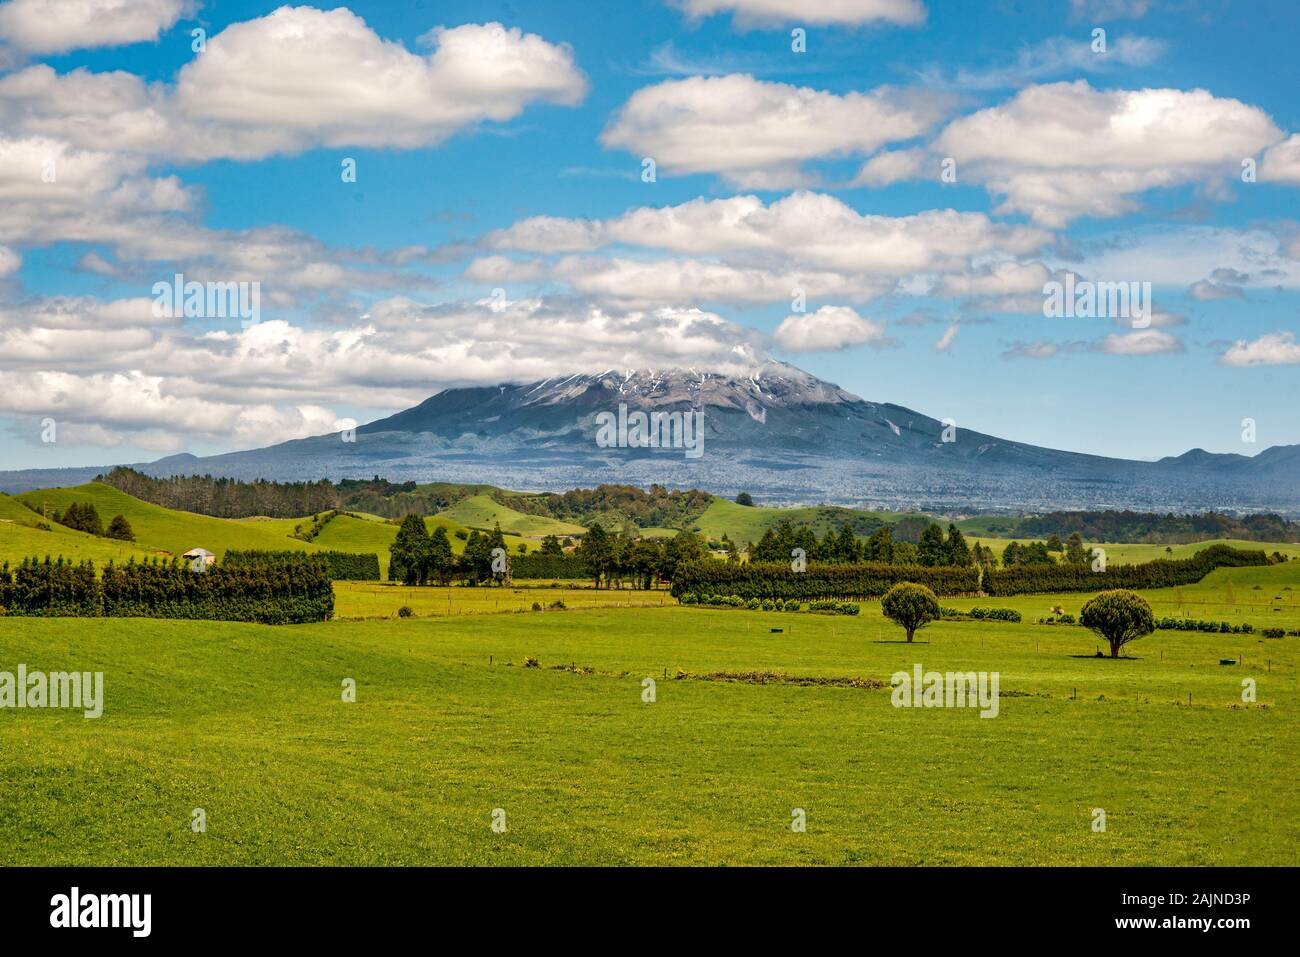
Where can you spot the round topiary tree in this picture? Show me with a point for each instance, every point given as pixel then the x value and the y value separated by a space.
pixel 1119 616
pixel 910 606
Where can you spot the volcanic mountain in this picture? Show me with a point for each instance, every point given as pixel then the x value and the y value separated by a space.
pixel 774 431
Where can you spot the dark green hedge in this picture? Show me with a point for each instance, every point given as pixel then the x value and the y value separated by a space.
pixel 288 593
pixel 342 566
pixel 50 589
pixel 820 580
pixel 537 565
pixel 1162 573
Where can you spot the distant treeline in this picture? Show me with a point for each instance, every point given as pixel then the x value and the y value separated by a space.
pixel 273 594
pixel 340 566
pixel 1149 527
pixel 232 498
pixel 226 498
pixel 657 507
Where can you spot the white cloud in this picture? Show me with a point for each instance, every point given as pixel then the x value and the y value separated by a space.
pixel 1281 163
pixel 750 13
pixel 751 251
pixel 1000 279
pixel 1143 343
pixel 56 26
pixel 1065 150
pixel 298 79
pixel 141 376
pixel 10 262
pixel 827 329
pixel 891 166
pixel 1274 348
pixel 759 134
pixel 1206 291
pixel 945 341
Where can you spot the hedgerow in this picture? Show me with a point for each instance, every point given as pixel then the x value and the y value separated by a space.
pixel 819 581
pixel 341 566
pixel 285 593
pixel 537 565
pixel 770 604
pixel 1162 573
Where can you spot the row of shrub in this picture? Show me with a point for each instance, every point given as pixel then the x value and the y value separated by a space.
pixel 770 604
pixel 274 594
pixel 1195 624
pixel 818 581
pixel 539 565
pixel 341 566
pixel 1162 573
pixel 981 614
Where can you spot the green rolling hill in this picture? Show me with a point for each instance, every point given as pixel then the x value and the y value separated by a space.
pixel 747 523
pixel 170 530
pixel 481 511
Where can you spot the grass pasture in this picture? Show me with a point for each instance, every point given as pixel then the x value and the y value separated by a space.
pixel 247 722
pixel 452 721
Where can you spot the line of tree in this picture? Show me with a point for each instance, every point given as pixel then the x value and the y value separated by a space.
pixel 1162 573
pixel 340 566
pixel 224 497
pixel 286 593
pixel 933 548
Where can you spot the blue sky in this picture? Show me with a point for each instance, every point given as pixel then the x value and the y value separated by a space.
pixel 225 165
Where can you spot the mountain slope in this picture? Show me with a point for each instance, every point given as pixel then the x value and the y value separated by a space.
pixel 778 432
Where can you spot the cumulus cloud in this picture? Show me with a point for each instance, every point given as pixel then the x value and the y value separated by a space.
pixel 828 329
pixel 297 79
pixel 742 249
pixel 56 26
pixel 764 13
pixel 1281 163
pixel 999 279
pixel 760 134
pixel 1274 348
pixel 1065 150
pixel 114 367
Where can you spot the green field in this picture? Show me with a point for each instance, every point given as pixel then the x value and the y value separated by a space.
pixel 247 722
pixel 170 530
pixel 482 512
